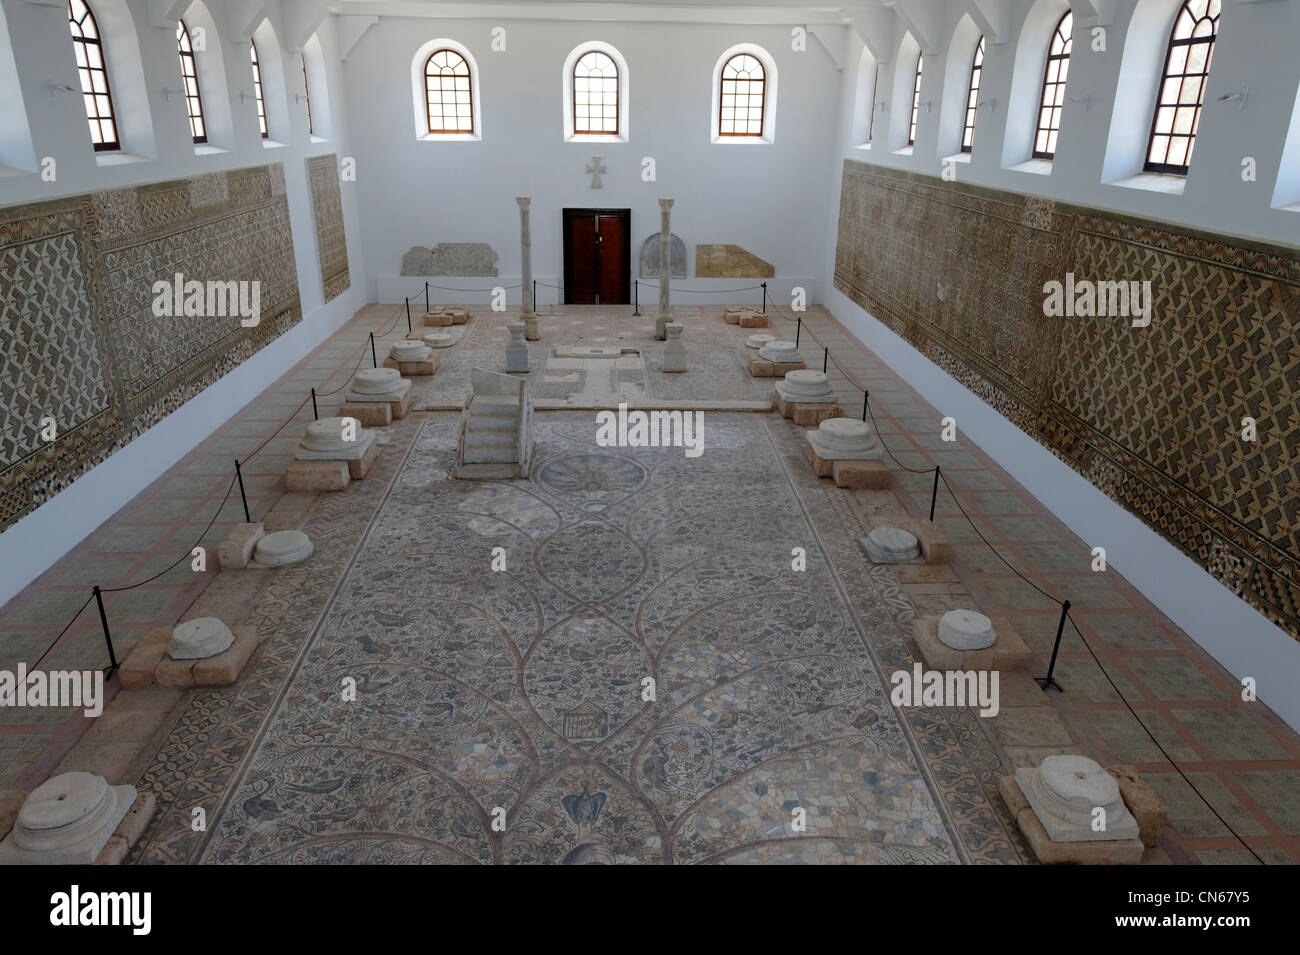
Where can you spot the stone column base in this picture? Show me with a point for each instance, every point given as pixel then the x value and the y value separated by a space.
pixel 760 367
pixel 414 369
pixel 149 665
pixel 752 320
pixel 438 319
pixel 935 548
pixel 806 414
pixel 1109 852
pixel 312 477
pixel 1008 652
pixel 371 414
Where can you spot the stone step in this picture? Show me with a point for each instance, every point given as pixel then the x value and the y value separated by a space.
pixel 482 439
pixel 493 423
pixel 491 454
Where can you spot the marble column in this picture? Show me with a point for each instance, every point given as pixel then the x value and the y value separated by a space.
pixel 527 313
pixel 665 267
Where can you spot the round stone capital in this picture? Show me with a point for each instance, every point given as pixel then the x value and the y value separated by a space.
pixel 758 341
pixel 1078 782
pixel 199 639
pixel 892 544
pixel 966 630
pixel 283 547
pixel 63 800
pixel 376 381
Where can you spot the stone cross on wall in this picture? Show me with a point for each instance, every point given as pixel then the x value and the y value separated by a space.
pixel 597 169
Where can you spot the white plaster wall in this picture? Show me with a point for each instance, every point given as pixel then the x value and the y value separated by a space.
pixel 43 52
pixel 770 199
pixel 1260 55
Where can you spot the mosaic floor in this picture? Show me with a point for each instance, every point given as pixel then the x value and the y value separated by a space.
pixel 522 689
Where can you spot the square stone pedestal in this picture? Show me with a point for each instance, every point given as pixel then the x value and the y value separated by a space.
pixel 862 473
pixel 371 414
pixel 410 369
pixel 438 319
pixel 129 830
pixel 1008 652
pixel 237 549
pixel 760 367
pixel 378 414
pixel 314 476
pixel 806 414
pixel 149 665
pixel 935 548
pixel 311 477
pixel 752 320
pixel 1107 852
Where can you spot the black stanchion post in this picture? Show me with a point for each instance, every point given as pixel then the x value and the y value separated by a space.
pixel 426 304
pixel 314 413
pixel 373 360
pixel 534 295
pixel 798 328
pixel 108 636
pixel 826 359
pixel 864 406
pixel 242 496
pixel 1046 682
pixel 934 493
pixel 408 313
pixel 764 298
pixel 636 298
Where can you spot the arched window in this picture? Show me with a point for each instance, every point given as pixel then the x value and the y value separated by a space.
pixel 1049 106
pixel 1182 88
pixel 190 77
pixel 972 97
pixel 595 95
pixel 447 93
pixel 916 101
pixel 257 89
pixel 306 94
pixel 740 108
pixel 92 69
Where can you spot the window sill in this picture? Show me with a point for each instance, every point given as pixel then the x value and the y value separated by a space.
pixel 207 149
pixel 1153 182
pixel 313 138
pixel 866 146
pixel 272 144
pixel 957 157
pixel 117 158
pixel 741 140
pixel 439 138
pixel 1039 167
pixel 594 138
pixel 905 151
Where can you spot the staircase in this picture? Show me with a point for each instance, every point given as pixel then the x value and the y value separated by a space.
pixel 495 429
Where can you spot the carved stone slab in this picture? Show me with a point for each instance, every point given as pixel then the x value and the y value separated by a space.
pixel 451 258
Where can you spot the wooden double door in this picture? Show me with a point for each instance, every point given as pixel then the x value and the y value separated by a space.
pixel 597 256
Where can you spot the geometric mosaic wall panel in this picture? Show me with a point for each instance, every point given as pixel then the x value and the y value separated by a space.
pixel 327 208
pixel 79 340
pixel 1151 416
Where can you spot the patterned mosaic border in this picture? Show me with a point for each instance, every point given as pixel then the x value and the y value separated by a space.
pixel 1151 416
pixel 331 239
pixel 79 342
